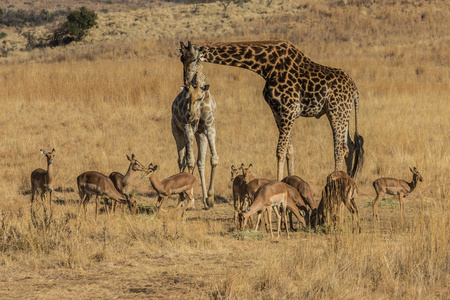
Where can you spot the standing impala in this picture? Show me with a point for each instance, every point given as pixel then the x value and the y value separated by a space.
pixel 94 183
pixel 392 186
pixel 239 188
pixel 42 180
pixel 181 183
pixel 122 182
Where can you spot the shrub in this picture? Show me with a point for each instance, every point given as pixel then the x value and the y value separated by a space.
pixel 75 28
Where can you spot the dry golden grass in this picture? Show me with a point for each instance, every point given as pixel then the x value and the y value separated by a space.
pixel 111 95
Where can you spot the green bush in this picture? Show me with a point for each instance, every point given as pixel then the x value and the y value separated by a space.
pixel 75 28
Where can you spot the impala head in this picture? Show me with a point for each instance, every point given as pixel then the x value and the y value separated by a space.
pixel 195 94
pixel 49 156
pixel 416 174
pixel 242 218
pixel 246 172
pixel 132 204
pixel 135 164
pixel 150 171
pixel 234 173
pixel 191 57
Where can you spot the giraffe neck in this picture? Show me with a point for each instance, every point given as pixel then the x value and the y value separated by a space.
pixel 264 58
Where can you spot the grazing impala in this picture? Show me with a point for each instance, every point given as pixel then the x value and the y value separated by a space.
pixel 181 183
pixel 303 188
pixel 42 180
pixel 273 194
pixel 239 188
pixel 122 182
pixel 340 188
pixel 94 183
pixel 392 186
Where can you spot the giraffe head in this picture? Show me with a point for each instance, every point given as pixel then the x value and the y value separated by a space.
pixel 195 94
pixel 191 56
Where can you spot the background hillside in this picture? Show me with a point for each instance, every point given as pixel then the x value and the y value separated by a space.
pixel 110 94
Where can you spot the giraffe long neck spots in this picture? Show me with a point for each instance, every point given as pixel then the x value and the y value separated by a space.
pixel 261 57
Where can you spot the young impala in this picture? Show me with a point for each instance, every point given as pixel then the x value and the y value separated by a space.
pixel 42 180
pixel 392 186
pixel 181 183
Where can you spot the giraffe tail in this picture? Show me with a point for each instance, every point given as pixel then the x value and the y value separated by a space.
pixel 359 143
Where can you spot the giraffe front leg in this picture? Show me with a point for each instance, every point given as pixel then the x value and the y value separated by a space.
pixel 178 135
pixel 202 145
pixel 211 135
pixel 290 157
pixel 189 139
pixel 339 127
pixel 284 128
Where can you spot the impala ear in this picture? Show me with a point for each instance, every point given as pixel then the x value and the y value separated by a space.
pixel 128 157
pixel 43 152
pixel 206 87
pixel 232 167
pixel 132 156
pixel 242 166
pixel 155 167
pixel 411 170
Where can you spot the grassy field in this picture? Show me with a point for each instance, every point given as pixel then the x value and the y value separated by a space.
pixel 110 95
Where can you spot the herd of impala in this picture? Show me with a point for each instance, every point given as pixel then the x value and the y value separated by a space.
pixel 251 195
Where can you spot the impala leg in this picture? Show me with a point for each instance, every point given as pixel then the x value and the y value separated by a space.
pixel 97 204
pixel 270 223
pixel 284 208
pixel 277 212
pixel 375 205
pixel 236 206
pixel 258 220
pixel 402 205
pixel 191 201
pixel 161 201
pixel 51 196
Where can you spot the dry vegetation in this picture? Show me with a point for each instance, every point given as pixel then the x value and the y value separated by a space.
pixel 110 95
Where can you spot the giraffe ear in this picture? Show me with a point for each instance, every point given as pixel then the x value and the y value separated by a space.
pixel 206 87
pixel 200 49
pixel 182 45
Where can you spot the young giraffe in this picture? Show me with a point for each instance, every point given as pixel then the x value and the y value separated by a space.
pixel 295 87
pixel 193 113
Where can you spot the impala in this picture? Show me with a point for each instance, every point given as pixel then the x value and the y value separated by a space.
pixel 239 188
pixel 42 180
pixel 273 194
pixel 340 188
pixel 392 186
pixel 122 182
pixel 94 183
pixel 181 183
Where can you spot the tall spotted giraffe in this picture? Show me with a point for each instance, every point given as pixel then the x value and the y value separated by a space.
pixel 193 113
pixel 295 87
